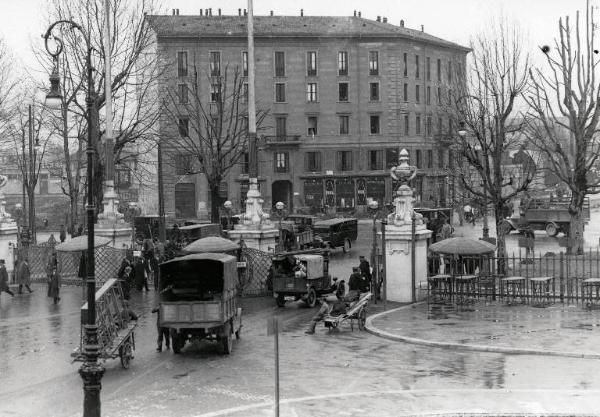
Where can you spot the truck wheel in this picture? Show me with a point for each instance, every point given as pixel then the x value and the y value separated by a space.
pixel 311 298
pixel 347 246
pixel 227 340
pixel 176 341
pixel 551 229
pixel 280 300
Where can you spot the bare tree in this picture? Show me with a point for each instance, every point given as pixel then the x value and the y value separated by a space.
pixel 30 161
pixel 133 118
pixel 8 87
pixel 567 98
pixel 485 108
pixel 211 126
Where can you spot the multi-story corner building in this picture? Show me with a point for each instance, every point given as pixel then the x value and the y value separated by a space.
pixel 344 95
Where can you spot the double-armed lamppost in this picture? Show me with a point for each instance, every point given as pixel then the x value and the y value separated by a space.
pixel 91 371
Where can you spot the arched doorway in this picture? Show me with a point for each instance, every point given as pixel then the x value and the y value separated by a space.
pixel 282 191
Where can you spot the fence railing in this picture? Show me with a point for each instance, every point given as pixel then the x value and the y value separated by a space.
pixel 556 277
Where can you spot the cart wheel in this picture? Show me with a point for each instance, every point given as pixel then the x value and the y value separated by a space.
pixel 280 300
pixel 362 318
pixel 126 354
pixel 227 340
pixel 346 247
pixel 311 298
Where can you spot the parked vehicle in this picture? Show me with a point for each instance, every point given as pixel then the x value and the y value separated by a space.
pixel 193 232
pixel 334 233
pixel 545 214
pixel 116 325
pixel 302 221
pixel 146 227
pixel 290 286
pixel 198 299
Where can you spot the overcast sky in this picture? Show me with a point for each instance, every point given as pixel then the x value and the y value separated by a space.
pixel 21 21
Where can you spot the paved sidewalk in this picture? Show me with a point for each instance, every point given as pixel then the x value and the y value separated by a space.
pixel 557 330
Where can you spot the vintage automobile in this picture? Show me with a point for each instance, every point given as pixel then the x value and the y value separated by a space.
pixel 544 213
pixel 303 222
pixel 197 231
pixel 290 286
pixel 198 299
pixel 334 233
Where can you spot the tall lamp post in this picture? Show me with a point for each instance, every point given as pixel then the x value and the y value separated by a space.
pixel 91 370
pixel 33 152
pixel 374 209
pixel 279 206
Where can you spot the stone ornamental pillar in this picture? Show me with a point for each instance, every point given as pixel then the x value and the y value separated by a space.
pixel 399 238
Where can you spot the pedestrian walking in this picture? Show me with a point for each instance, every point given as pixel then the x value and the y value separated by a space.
pixel 62 234
pixel 4 279
pixel 50 268
pixel 24 276
pixel 365 270
pixel 52 240
pixel 140 274
pixel 54 286
pixel 529 236
pixel 163 332
pixel 124 274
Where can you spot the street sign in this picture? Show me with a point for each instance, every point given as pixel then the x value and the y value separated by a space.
pixel 241 264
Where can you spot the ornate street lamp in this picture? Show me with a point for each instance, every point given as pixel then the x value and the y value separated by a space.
pixel 280 206
pixel 91 370
pixel 228 205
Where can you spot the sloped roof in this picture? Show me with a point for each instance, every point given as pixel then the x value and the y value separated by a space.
pixel 288 26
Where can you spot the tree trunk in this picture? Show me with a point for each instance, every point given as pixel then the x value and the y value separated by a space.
pixel 501 230
pixel 215 202
pixel 74 210
pixel 575 245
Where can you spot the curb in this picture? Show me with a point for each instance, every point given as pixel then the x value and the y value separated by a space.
pixel 459 346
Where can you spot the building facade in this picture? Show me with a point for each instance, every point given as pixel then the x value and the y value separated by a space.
pixel 343 94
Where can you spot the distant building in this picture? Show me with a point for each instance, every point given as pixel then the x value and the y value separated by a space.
pixel 344 94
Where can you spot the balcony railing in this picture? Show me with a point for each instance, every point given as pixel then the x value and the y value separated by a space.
pixel 282 140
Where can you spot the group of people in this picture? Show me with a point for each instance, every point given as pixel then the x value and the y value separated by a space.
pixel 360 281
pixel 23 277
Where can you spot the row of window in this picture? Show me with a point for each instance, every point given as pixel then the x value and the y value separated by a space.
pixel 374 125
pixel 279 69
pixel 376 160
pixel 312 93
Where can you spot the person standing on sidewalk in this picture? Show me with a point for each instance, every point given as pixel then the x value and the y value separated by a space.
pixel 24 276
pixel 54 286
pixel 4 279
pixel 365 270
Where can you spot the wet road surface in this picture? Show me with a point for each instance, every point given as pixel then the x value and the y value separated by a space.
pixel 329 373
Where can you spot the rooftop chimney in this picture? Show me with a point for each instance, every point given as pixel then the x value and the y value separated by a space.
pixel 219 11
pixel 173 11
pixel 271 12
pixel 301 12
pixel 422 28
pixel 239 12
pixel 355 13
pixel 359 13
pixel 385 20
pixel 401 23
pixel 379 18
pixel 206 12
pixel 201 11
pixel 177 12
pixel 245 12
pixel 210 11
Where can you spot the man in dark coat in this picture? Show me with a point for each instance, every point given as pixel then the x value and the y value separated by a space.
pixel 24 276
pixel 365 270
pixel 356 283
pixel 163 332
pixel 140 274
pixel 63 233
pixel 4 279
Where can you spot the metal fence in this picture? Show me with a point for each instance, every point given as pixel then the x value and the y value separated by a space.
pixel 253 279
pixel 108 260
pixel 555 277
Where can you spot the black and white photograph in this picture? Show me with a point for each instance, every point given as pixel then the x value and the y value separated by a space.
pixel 260 208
